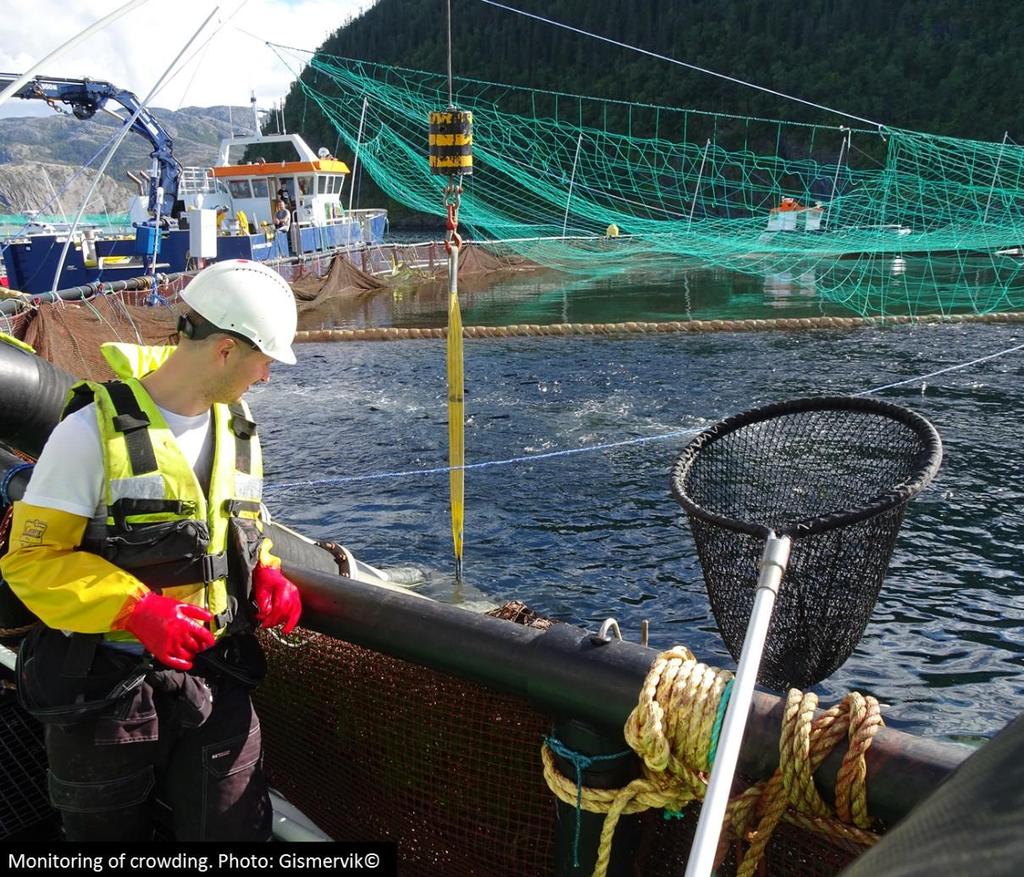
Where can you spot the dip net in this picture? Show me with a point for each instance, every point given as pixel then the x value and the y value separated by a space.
pixel 832 473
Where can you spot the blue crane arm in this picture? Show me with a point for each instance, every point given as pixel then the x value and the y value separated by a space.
pixel 85 97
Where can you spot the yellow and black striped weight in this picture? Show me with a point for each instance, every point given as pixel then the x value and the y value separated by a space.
pixel 451 142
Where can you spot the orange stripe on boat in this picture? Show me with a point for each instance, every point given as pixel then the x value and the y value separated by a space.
pixel 280 168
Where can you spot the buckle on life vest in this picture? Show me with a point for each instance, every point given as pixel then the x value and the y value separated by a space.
pixel 214 566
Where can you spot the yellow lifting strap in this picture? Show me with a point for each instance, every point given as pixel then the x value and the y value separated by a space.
pixel 450 153
pixel 456 419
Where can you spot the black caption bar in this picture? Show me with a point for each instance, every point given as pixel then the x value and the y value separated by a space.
pixel 220 859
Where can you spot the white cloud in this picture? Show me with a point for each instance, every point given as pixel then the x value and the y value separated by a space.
pixel 134 51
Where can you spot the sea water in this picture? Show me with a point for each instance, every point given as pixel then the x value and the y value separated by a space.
pixel 571 439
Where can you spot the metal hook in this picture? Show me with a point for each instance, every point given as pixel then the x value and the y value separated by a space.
pixel 609 625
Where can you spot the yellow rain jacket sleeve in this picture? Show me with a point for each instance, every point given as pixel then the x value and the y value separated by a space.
pixel 265 557
pixel 67 589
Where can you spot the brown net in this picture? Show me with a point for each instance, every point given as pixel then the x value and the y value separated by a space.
pixel 24 808
pixel 69 334
pixel 665 845
pixel 343 279
pixel 448 770
pixel 374 748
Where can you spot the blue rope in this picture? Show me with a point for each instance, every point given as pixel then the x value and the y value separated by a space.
pixel 716 728
pixel 580 762
pixel 5 499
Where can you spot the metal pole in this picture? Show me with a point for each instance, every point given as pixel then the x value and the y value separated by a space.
pixel 56 194
pixel 355 159
pixel 709 826
pixel 700 174
pixel 572 180
pixel 835 179
pixel 995 177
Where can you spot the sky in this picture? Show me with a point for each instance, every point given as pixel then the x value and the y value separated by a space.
pixel 134 52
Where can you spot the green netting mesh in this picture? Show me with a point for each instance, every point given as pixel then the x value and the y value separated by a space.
pixel 882 221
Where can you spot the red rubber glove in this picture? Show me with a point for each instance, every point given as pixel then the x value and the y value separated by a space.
pixel 277 599
pixel 171 631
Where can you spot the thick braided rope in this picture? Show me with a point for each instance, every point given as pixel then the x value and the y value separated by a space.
pixel 402 333
pixel 790 793
pixel 670 730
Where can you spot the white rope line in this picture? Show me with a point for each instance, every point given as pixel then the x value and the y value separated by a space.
pixel 671 60
pixel 531 458
pixel 949 368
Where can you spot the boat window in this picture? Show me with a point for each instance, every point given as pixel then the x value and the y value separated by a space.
pixel 240 188
pixel 322 183
pixel 305 185
pixel 260 189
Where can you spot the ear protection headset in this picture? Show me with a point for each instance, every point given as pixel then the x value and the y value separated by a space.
pixel 188 329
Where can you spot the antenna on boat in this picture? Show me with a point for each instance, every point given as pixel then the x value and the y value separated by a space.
pixel 256 130
pixel 450 145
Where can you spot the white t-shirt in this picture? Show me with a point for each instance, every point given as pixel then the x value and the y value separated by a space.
pixel 69 473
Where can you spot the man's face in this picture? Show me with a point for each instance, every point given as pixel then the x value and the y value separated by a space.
pixel 241 367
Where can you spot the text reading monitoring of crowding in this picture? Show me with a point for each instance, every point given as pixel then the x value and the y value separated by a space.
pixel 184 861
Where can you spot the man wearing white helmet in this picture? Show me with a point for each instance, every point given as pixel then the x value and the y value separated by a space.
pixel 139 545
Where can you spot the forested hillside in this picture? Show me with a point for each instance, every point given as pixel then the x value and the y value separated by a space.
pixel 933 65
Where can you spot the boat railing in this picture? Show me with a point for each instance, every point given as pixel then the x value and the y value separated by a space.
pixel 196 181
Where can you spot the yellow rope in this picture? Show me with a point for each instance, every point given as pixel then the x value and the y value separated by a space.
pixel 671 730
pixel 396 333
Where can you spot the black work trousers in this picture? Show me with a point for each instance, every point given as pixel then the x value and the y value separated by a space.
pixel 110 775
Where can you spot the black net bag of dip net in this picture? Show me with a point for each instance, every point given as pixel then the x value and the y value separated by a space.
pixel 834 475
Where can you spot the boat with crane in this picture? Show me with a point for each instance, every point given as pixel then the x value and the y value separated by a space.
pixel 184 217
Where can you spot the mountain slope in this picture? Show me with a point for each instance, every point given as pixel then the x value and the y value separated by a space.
pixel 64 140
pixel 929 65
pixel 933 65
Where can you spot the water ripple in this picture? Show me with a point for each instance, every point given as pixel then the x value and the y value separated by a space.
pixel 584 537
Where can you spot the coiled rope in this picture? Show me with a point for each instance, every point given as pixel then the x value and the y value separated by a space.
pixel 671 729
pixel 399 333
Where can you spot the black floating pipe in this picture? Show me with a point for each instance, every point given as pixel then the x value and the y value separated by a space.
pixel 11 306
pixel 14 484
pixel 569 673
pixel 33 392
pixel 609 764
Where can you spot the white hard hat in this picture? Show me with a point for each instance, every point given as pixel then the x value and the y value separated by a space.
pixel 249 299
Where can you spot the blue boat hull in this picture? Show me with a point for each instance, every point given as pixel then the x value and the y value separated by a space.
pixel 32 262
